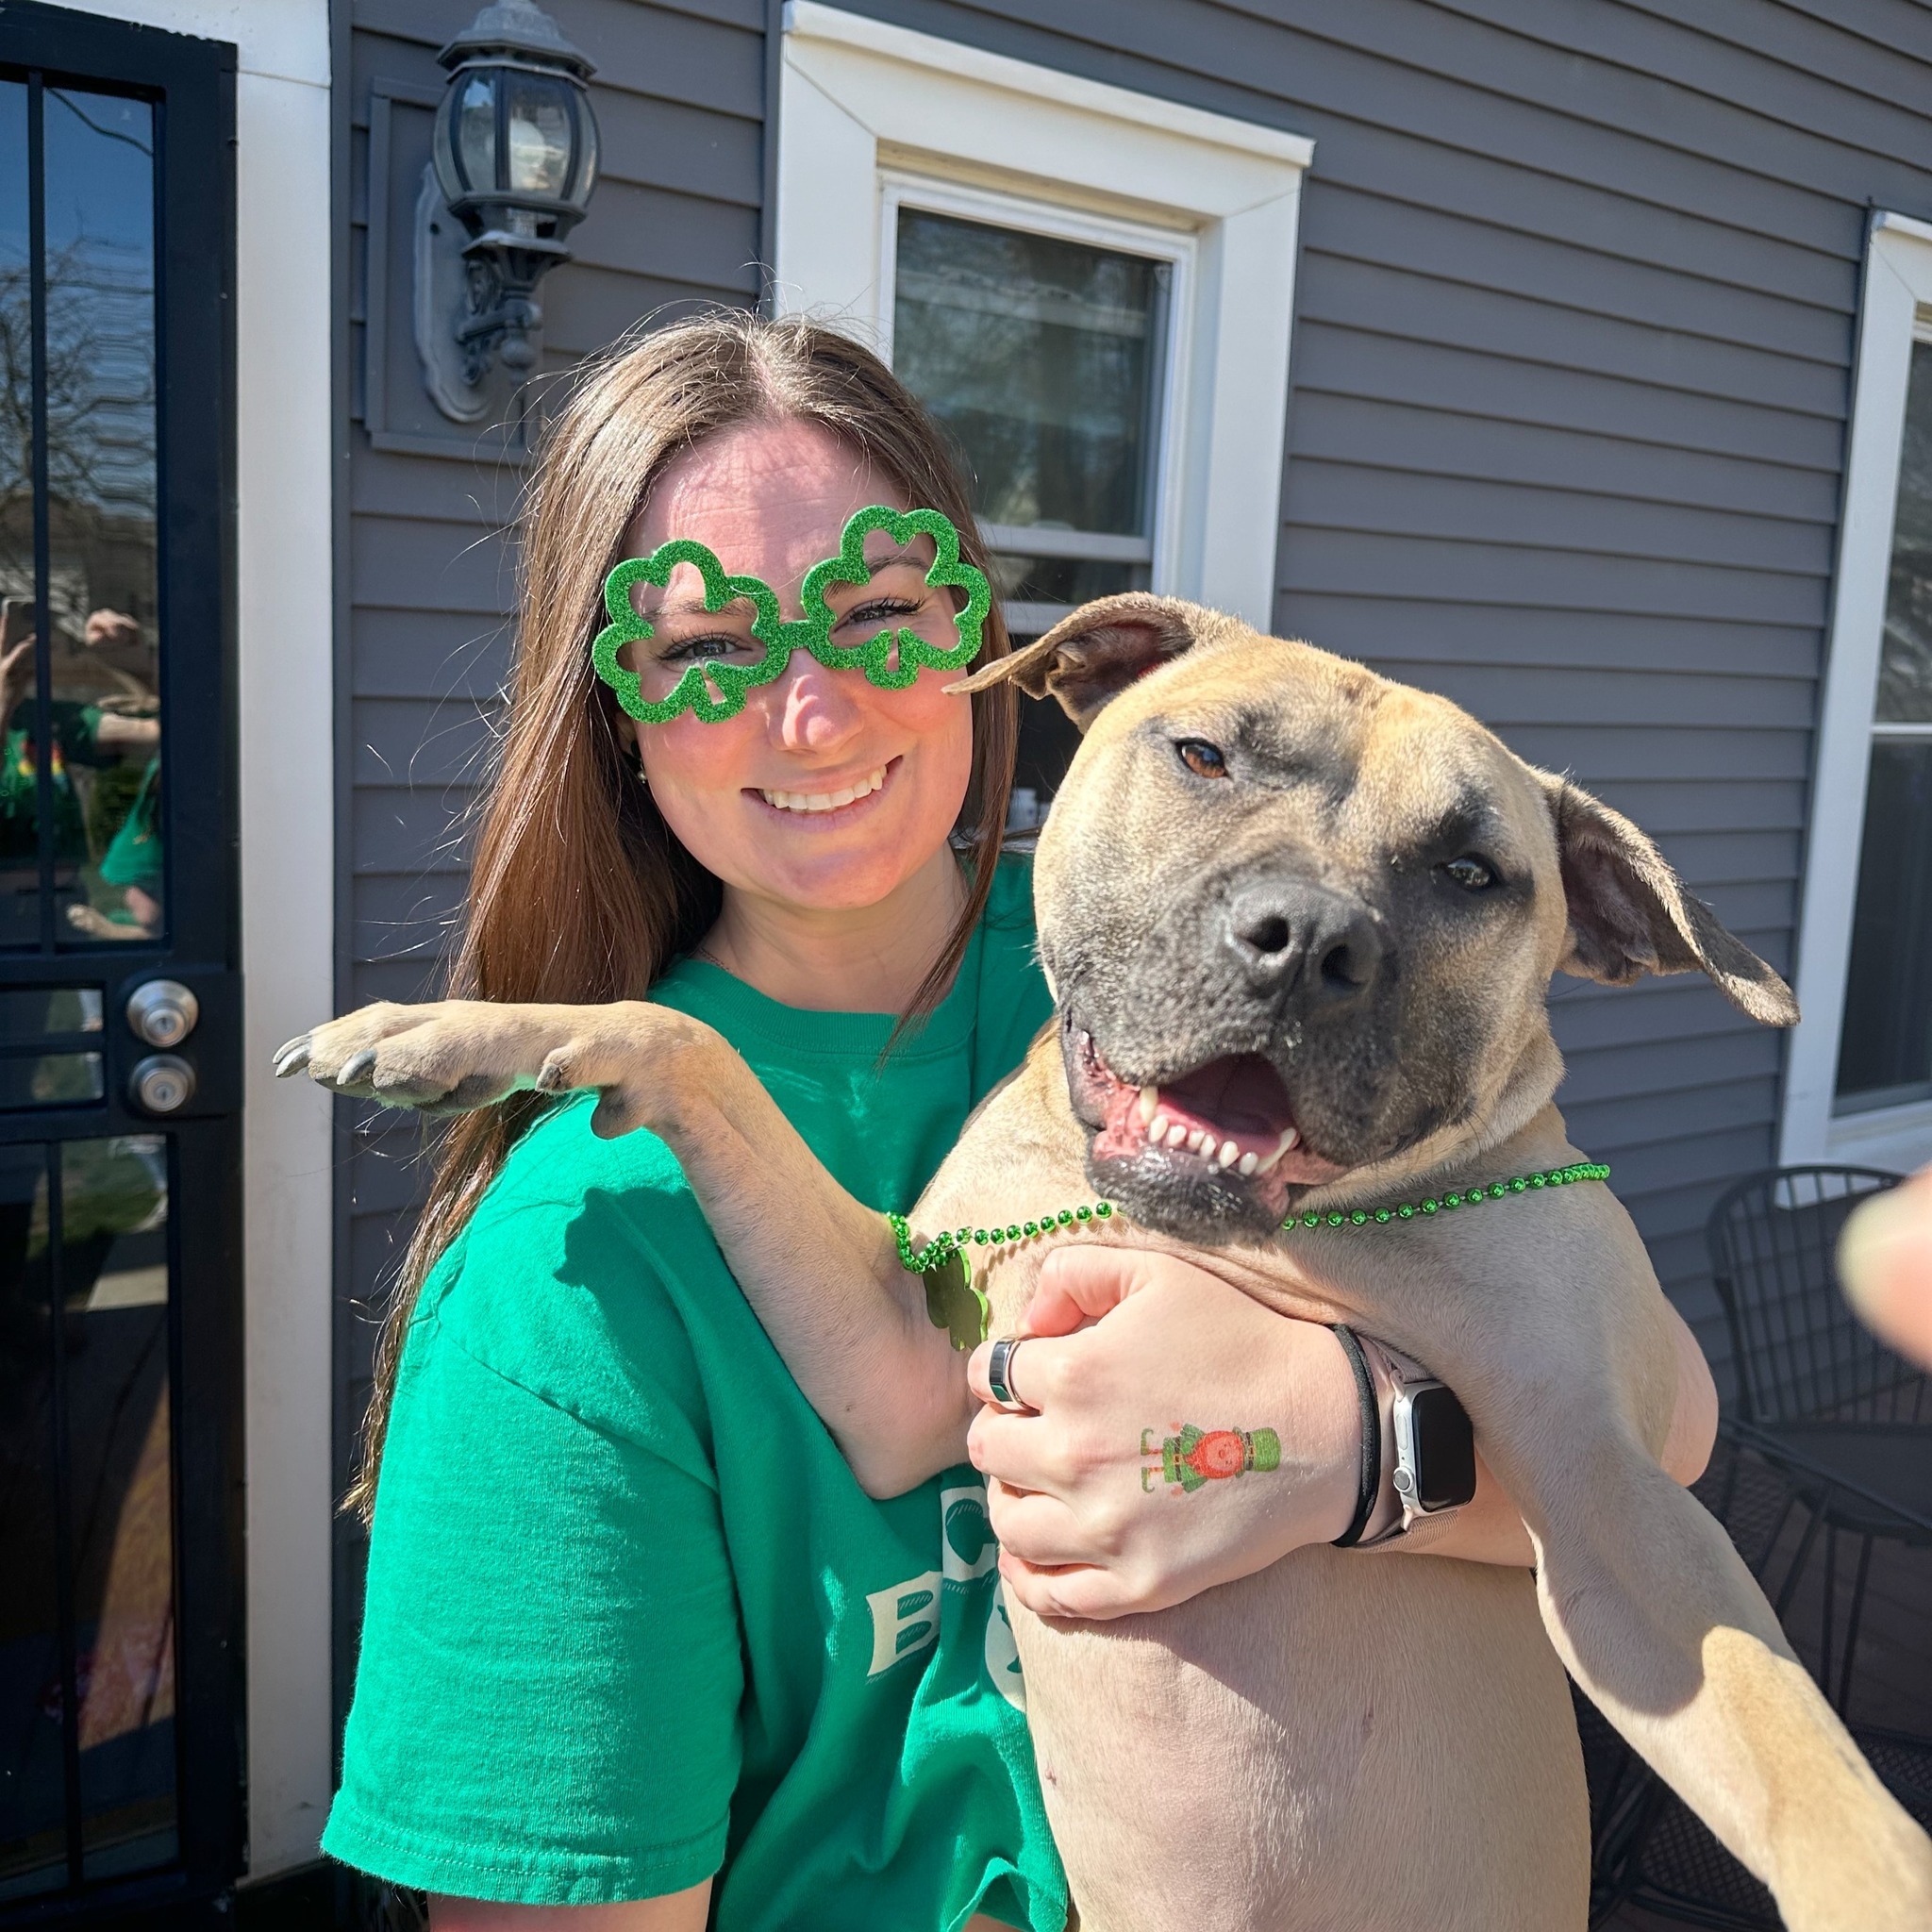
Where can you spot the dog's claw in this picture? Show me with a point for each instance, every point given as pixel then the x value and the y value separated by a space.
pixel 353 1069
pixel 293 1055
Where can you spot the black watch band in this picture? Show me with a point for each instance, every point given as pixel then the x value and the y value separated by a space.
pixel 1368 1476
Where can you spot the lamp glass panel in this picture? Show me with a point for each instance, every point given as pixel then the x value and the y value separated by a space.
pixel 587 151
pixel 538 134
pixel 475 126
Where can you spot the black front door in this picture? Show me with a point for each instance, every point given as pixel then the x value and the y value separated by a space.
pixel 120 1253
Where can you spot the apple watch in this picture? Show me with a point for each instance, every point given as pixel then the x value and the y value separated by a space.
pixel 1430 1448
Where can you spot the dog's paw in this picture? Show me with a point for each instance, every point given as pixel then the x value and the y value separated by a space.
pixel 443 1057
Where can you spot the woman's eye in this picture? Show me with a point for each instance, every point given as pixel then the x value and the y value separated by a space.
pixel 690 650
pixel 1471 874
pixel 1201 759
pixel 877 611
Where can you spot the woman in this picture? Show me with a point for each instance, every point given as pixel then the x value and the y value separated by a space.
pixel 637 1645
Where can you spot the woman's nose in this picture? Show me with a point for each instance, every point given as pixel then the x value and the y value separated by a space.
pixel 817 710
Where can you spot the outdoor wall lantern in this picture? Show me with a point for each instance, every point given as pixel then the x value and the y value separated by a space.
pixel 513 162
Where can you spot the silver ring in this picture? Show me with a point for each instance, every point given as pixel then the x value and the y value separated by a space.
pixel 999 1372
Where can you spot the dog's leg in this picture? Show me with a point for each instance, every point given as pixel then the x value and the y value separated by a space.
pixel 819 1267
pixel 1655 1616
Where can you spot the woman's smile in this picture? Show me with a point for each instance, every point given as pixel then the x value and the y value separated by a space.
pixel 837 802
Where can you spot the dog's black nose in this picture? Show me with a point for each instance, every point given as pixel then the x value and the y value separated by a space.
pixel 1293 936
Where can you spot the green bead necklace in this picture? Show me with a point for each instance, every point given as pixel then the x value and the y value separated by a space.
pixel 955 1302
pixel 1442 1203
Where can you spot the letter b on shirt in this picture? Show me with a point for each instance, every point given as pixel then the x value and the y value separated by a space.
pixel 904 1619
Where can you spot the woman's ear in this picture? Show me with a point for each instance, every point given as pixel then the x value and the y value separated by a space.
pixel 1630 913
pixel 1093 655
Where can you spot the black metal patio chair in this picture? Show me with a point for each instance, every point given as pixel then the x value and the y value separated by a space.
pixel 1850 1420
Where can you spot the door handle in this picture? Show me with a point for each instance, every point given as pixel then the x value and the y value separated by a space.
pixel 162 1012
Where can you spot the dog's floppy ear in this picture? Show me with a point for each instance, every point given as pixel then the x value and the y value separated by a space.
pixel 1630 913
pixel 1092 655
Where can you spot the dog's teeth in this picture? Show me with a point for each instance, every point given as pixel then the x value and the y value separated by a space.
pixel 1198 1142
pixel 1178 1135
pixel 1281 1147
pixel 1230 1154
pixel 1150 1099
pixel 1249 1163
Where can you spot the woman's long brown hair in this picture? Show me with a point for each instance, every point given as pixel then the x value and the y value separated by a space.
pixel 578 891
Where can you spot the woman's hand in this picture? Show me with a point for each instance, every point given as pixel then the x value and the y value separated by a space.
pixel 1090 1522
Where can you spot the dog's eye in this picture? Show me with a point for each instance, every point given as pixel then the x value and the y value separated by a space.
pixel 1201 759
pixel 1473 875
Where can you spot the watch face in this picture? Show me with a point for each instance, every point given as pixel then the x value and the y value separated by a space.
pixel 1445 1449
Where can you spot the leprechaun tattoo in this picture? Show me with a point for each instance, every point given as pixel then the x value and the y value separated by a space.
pixel 1193 1457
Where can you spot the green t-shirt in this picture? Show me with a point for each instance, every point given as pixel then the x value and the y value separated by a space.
pixel 630 1620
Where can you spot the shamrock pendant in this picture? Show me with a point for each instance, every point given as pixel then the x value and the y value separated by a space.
pixel 954 1302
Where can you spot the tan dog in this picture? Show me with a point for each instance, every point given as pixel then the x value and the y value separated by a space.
pixel 1316 911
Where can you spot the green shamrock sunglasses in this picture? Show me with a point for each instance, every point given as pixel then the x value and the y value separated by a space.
pixel 782 637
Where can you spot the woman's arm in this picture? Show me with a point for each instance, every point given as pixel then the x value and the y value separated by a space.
pixel 679 1911
pixel 1089 1525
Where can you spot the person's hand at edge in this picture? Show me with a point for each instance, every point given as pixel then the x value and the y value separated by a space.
pixel 1884 1260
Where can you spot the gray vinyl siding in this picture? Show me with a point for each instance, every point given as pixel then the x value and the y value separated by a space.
pixel 424 571
pixel 1570 375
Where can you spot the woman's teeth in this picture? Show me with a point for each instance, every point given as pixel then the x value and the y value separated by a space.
pixel 1163 1130
pixel 825 801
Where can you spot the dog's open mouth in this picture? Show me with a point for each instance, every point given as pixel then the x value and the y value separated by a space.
pixel 1228 1121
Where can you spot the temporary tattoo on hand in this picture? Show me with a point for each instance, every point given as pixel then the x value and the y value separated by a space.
pixel 1191 1458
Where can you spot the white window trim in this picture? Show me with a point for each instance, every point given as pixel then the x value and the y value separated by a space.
pixel 1174 246
pixel 861 102
pixel 1896 308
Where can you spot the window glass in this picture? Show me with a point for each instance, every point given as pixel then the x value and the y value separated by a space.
pixel 1885 1047
pixel 1041 356
pixel 1905 672
pixel 107 727
pixel 86 1511
pixel 1885 1053
pixel 100 791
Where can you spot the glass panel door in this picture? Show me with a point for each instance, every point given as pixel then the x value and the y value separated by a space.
pixel 120 1778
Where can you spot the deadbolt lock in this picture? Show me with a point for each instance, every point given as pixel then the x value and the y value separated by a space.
pixel 162 1083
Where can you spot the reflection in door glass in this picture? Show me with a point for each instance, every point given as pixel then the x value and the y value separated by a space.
pixel 49 1046
pixel 87 1732
pixel 100 849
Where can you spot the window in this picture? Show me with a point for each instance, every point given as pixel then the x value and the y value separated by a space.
pixel 1092 288
pixel 1047 357
pixel 1858 1085
pixel 1885 1049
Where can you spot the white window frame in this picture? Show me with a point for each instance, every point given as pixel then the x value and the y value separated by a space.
pixel 1161 550
pixel 1896 311
pixel 866 107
